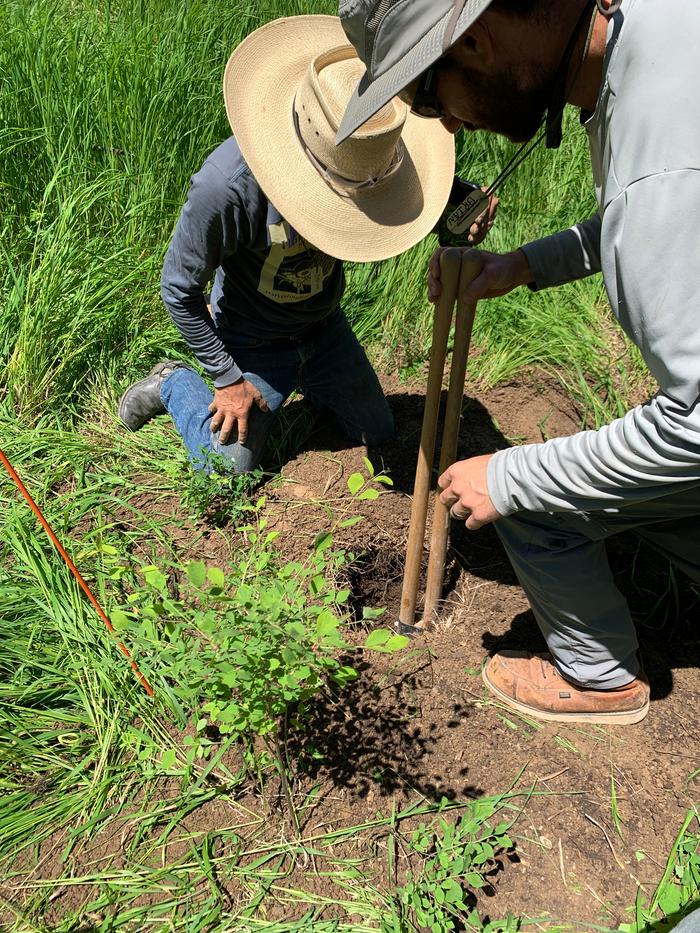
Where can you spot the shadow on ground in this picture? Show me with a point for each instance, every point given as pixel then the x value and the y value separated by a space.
pixel 371 738
pixel 302 428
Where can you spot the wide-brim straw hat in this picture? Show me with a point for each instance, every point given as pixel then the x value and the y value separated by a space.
pixel 381 191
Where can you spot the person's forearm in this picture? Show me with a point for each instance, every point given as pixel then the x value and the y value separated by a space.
pixel 649 453
pixel 566 256
pixel 190 315
pixel 206 232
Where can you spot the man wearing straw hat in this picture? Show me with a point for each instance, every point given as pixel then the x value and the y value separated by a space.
pixel 510 66
pixel 271 215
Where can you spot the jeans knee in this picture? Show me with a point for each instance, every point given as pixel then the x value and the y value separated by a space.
pixel 239 458
pixel 226 458
pixel 184 376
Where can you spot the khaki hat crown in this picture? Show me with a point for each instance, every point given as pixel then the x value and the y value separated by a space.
pixel 286 86
pixel 363 159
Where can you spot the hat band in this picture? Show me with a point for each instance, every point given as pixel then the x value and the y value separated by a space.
pixel 345 187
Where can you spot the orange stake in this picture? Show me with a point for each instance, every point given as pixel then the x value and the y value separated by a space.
pixel 73 569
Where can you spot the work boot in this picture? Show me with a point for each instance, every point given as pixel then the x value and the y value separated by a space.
pixel 532 685
pixel 141 401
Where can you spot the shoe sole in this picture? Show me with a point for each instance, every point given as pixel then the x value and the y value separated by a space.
pixel 626 718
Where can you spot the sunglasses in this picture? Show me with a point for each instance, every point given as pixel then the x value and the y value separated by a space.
pixel 421 95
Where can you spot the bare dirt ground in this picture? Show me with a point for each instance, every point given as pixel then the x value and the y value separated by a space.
pixel 422 724
pixel 429 726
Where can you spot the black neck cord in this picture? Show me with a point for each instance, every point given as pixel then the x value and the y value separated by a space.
pixel 551 122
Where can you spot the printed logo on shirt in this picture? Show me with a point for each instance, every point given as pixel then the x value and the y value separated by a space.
pixel 294 271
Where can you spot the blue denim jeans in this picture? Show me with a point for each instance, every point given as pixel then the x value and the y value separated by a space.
pixel 328 366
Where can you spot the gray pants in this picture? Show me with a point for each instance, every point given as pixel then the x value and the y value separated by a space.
pixel 691 924
pixel 561 563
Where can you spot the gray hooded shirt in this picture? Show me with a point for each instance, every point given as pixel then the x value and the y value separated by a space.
pixel 644 139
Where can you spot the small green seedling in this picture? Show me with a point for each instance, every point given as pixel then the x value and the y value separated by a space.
pixel 456 860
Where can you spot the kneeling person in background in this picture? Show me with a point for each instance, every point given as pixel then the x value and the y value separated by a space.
pixel 271 215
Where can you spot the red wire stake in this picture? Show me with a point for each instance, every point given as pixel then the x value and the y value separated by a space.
pixel 73 569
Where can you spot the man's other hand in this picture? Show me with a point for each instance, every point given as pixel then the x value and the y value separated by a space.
pixel 484 222
pixel 465 492
pixel 231 408
pixel 500 274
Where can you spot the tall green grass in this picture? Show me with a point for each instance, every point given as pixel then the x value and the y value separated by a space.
pixel 106 109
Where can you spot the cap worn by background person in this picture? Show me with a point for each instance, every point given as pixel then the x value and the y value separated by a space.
pixel 381 191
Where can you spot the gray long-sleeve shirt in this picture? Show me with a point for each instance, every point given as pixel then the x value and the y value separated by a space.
pixel 268 281
pixel 644 139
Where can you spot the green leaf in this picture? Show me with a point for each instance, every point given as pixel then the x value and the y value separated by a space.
pixel 119 619
pixel 216 577
pixel 671 899
pixel 397 643
pixel 368 494
pixel 368 464
pixel 349 522
pixel 326 623
pixel 355 483
pixel 168 758
pixel 378 638
pixel 382 639
pixel 345 675
pixel 369 613
pixel 322 541
pixel 197 573
pixel 453 892
pixel 155 578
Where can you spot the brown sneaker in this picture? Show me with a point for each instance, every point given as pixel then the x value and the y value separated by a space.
pixel 531 684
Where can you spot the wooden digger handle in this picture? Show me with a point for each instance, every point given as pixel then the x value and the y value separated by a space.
pixel 450 264
pixel 464 323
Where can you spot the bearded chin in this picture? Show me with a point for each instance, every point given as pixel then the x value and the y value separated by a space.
pixel 513 108
pixel 521 124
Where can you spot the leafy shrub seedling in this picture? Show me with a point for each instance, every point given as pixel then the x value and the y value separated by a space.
pixel 246 645
pixel 456 859
pixel 219 493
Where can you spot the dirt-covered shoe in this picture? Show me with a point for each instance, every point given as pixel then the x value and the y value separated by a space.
pixel 141 401
pixel 532 685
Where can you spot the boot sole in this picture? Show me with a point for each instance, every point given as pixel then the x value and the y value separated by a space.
pixel 626 718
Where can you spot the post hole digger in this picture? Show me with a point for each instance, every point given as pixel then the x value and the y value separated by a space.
pixel 457 271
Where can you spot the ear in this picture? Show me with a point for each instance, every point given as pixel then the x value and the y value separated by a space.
pixel 475 46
